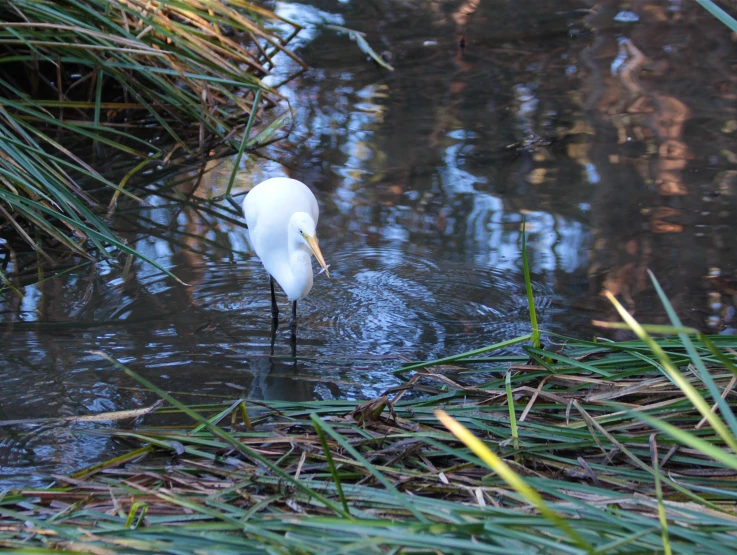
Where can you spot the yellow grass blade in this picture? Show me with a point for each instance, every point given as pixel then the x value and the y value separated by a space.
pixel 508 475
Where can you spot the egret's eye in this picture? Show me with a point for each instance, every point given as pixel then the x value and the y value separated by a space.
pixel 300 232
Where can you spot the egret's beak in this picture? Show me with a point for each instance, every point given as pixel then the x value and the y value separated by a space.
pixel 312 242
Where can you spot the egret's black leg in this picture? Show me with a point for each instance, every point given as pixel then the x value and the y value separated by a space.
pixel 274 308
pixel 293 329
pixel 293 321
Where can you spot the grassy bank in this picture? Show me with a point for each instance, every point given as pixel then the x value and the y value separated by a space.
pixel 598 447
pixel 95 94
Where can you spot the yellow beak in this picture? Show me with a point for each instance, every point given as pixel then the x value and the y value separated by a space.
pixel 312 241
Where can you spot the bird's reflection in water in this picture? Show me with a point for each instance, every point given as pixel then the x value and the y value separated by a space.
pixel 292 337
pixel 277 378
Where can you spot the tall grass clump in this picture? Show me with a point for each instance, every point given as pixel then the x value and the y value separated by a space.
pixel 93 91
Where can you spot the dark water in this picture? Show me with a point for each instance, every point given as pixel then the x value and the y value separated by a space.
pixel 612 130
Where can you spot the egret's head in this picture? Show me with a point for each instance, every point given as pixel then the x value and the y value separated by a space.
pixel 304 227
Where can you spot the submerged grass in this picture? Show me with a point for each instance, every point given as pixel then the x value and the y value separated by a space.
pixel 598 448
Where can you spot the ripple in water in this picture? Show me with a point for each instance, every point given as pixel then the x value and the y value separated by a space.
pixel 378 302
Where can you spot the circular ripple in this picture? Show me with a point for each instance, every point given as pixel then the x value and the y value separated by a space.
pixel 396 299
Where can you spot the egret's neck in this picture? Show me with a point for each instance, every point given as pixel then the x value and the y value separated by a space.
pixel 299 283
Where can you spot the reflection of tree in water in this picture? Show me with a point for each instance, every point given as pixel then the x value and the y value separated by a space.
pixel 660 94
pixel 441 137
pixel 627 117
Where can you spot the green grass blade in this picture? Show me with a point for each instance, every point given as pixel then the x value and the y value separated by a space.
pixel 704 373
pixel 405 502
pixel 363 45
pixel 719 13
pixel 453 358
pixel 331 463
pixel 687 438
pixel 528 289
pixel 567 360
pixel 244 141
pixel 659 494
pixel 678 378
pixel 510 405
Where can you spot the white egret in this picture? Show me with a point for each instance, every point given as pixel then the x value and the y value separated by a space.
pixel 281 215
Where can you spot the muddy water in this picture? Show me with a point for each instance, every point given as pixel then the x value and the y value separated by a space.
pixel 612 131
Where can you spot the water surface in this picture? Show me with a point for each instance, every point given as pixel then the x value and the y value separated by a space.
pixel 610 129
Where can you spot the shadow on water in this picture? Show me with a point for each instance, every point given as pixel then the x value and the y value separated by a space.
pixel 610 128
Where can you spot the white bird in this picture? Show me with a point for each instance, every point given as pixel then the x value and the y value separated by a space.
pixel 281 215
